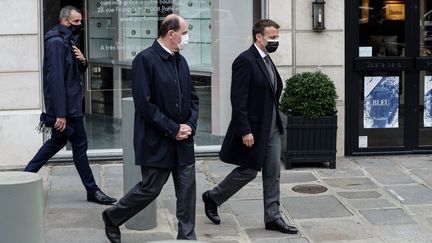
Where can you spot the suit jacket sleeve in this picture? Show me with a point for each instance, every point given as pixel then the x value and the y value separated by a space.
pixel 193 118
pixel 141 92
pixel 54 65
pixel 241 78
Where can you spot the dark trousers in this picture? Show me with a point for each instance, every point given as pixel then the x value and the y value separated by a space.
pixel 241 176
pixel 58 140
pixel 143 193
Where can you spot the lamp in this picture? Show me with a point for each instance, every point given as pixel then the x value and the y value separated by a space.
pixel 318 15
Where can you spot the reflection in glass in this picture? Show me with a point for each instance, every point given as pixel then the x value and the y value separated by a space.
pixel 425 108
pixel 382 28
pixel 426 28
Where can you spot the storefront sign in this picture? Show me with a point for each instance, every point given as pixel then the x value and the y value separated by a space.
pixel 381 102
pixel 427 114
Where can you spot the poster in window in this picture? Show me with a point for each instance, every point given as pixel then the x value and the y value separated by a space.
pixel 381 102
pixel 427 115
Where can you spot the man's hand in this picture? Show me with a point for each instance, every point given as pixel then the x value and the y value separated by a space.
pixel 184 132
pixel 248 140
pixel 60 124
pixel 78 54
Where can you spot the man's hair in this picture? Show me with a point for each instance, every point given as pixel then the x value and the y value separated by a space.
pixel 66 11
pixel 260 25
pixel 170 23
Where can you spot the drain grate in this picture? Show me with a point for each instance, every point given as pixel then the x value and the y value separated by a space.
pixel 309 189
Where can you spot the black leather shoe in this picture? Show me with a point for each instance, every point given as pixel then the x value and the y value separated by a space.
pixel 281 226
pixel 100 197
pixel 210 208
pixel 112 232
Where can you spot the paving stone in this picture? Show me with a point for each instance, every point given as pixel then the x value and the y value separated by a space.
pixel 414 162
pixel 68 183
pixel 113 182
pixel 297 177
pixel 361 183
pixel 70 170
pixel 70 199
pixel 308 207
pixel 404 234
pixel 425 175
pixel 81 235
pixel 387 216
pixel 370 240
pixel 288 240
pixel 70 218
pixel 340 172
pixel 269 235
pixel 370 203
pixel 411 194
pixel 336 230
pixel 360 194
pixel 145 236
pixel 113 171
pixel 389 176
pixel 375 162
pixel 420 210
pixel 228 227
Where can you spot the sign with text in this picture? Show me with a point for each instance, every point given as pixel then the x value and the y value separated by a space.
pixel 381 102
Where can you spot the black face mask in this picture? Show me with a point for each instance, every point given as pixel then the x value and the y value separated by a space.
pixel 272 45
pixel 76 29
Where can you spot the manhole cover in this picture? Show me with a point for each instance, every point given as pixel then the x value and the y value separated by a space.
pixel 309 189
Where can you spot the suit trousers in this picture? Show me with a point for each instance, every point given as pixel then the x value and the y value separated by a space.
pixel 241 176
pixel 143 193
pixel 58 140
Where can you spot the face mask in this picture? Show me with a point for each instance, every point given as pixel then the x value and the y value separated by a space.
pixel 76 29
pixel 184 41
pixel 272 45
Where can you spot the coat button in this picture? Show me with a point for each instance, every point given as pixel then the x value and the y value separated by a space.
pixel 177 105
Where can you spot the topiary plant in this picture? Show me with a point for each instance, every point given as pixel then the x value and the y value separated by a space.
pixel 309 94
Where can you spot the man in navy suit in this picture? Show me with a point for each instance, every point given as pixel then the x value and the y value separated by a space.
pixel 166 114
pixel 253 139
pixel 63 67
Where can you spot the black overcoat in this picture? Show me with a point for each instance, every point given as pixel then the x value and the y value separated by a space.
pixel 252 99
pixel 163 98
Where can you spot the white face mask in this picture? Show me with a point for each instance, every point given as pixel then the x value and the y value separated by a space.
pixel 184 41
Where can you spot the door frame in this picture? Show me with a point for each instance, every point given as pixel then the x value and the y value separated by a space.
pixel 410 64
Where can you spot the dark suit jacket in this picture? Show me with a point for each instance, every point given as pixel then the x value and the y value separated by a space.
pixel 62 74
pixel 252 100
pixel 163 99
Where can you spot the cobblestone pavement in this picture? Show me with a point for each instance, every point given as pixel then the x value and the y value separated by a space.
pixel 369 200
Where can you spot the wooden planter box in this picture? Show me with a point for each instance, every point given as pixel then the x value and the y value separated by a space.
pixel 311 140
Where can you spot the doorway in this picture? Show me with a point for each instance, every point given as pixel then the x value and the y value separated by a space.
pixel 388 76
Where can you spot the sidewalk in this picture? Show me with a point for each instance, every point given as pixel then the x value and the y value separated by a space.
pixel 369 200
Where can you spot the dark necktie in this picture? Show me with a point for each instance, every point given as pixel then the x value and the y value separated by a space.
pixel 270 70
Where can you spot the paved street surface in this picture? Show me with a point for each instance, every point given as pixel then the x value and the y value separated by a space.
pixel 369 200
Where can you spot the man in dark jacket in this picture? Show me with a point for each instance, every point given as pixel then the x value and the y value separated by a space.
pixel 253 138
pixel 166 113
pixel 63 67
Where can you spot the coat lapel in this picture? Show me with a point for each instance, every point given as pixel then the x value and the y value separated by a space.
pixel 263 68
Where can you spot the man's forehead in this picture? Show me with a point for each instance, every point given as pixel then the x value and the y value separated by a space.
pixel 74 14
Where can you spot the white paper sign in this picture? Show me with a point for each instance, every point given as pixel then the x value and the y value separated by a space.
pixel 365 51
pixel 427 113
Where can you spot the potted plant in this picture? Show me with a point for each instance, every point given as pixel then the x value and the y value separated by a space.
pixel 309 102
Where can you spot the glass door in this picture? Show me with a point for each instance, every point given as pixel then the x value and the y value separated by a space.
pixel 389 76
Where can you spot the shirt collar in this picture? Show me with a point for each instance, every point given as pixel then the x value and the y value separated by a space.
pixel 165 48
pixel 263 54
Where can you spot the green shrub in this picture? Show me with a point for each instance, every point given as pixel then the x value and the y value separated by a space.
pixel 309 94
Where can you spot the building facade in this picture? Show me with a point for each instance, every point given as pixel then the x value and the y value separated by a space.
pixel 374 50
